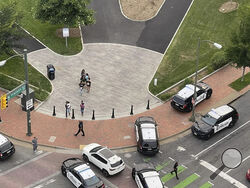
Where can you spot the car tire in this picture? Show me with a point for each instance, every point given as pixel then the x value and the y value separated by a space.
pixel 133 173
pixel 231 124
pixel 85 158
pixel 209 93
pixel 209 136
pixel 190 108
pixel 63 171
pixel 105 173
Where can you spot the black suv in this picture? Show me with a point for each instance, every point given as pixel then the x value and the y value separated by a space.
pixel 182 101
pixel 6 147
pixel 146 135
pixel 214 121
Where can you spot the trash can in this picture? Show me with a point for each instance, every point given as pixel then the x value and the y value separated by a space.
pixel 31 99
pixel 51 71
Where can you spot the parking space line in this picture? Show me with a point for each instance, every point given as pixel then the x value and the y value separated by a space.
pixel 222 174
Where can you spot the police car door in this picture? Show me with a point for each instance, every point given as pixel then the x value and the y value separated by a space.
pixel 138 181
pixel 201 95
pixel 72 177
pixel 223 123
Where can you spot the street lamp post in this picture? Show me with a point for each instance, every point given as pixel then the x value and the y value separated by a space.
pixel 26 86
pixel 196 71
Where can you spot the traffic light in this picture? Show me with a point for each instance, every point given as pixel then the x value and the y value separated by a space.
pixel 4 102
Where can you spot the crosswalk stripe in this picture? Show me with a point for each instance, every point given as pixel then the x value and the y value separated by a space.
pixel 160 167
pixel 169 176
pixel 187 181
pixel 207 185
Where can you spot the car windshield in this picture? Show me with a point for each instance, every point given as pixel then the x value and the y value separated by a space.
pixel 92 181
pixel 179 100
pixel 209 119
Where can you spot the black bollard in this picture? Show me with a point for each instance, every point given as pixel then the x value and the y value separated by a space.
pixel 93 116
pixel 131 111
pixel 73 114
pixel 148 106
pixel 113 113
pixel 54 111
pixel 0 119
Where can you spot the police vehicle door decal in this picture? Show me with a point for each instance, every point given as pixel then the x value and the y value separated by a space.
pixel 73 179
pixel 223 124
pixel 200 98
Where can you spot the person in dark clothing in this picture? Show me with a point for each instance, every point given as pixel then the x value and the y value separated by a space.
pixel 80 128
pixel 175 170
pixel 34 143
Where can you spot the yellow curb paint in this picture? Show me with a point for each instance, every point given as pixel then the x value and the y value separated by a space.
pixel 81 146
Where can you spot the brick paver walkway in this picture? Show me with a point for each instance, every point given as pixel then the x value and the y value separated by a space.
pixel 114 132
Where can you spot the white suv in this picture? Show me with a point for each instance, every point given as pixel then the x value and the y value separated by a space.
pixel 103 158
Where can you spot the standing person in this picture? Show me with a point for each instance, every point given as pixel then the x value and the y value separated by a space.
pixel 80 128
pixel 175 170
pixel 87 77
pixel 82 106
pixel 68 108
pixel 88 84
pixel 34 143
pixel 81 85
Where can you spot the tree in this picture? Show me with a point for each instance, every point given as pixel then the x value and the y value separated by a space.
pixel 67 12
pixel 239 50
pixel 8 28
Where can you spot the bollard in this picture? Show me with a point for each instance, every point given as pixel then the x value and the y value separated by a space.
pixel 66 114
pixel 148 106
pixel 54 111
pixel 131 111
pixel 113 113
pixel 73 114
pixel 93 116
pixel 0 120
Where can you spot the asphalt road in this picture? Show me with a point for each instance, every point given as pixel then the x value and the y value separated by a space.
pixel 112 27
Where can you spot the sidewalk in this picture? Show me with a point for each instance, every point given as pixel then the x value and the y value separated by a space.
pixel 113 133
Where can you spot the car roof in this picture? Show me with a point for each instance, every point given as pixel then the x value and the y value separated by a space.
pixel 187 91
pixel 220 111
pixel 3 139
pixel 152 179
pixel 148 131
pixel 109 155
pixel 84 171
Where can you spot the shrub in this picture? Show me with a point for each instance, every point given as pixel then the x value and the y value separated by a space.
pixel 218 60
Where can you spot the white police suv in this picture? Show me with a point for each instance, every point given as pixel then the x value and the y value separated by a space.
pixel 214 121
pixel 182 101
pixel 80 174
pixel 6 147
pixel 103 158
pixel 146 177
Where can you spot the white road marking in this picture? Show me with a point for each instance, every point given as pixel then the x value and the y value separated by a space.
pixel 47 180
pixel 126 137
pixel 179 148
pixel 160 151
pixel 184 166
pixel 23 164
pixel 52 139
pixel 222 174
pixel 196 174
pixel 210 183
pixel 241 162
pixel 221 139
pixel 171 158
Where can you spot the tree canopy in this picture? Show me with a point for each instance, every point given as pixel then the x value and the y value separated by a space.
pixel 239 50
pixel 67 12
pixel 8 27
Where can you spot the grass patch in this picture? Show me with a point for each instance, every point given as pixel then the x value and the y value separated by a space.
pixel 208 24
pixel 166 96
pixel 239 85
pixel 46 32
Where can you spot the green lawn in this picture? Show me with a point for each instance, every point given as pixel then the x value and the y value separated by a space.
pixel 46 32
pixel 239 85
pixel 204 21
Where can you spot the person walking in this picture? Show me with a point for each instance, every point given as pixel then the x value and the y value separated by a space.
pixel 88 84
pixel 68 108
pixel 175 170
pixel 81 85
pixel 80 128
pixel 82 106
pixel 34 143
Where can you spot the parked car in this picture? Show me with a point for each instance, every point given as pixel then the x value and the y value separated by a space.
pixel 147 135
pixel 146 177
pixel 248 175
pixel 103 158
pixel 214 121
pixel 182 101
pixel 7 148
pixel 80 174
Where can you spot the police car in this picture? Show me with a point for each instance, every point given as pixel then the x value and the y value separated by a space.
pixel 147 135
pixel 80 174
pixel 183 100
pixel 6 147
pixel 146 177
pixel 103 158
pixel 214 121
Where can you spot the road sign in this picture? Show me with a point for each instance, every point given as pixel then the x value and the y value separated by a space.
pixel 29 104
pixel 16 91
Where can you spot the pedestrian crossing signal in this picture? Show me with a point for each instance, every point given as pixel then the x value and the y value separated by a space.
pixel 4 102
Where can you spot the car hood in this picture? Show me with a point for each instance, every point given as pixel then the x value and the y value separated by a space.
pixel 202 126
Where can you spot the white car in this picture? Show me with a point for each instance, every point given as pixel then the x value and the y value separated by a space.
pixel 103 158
